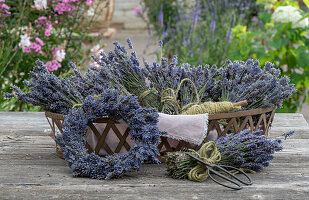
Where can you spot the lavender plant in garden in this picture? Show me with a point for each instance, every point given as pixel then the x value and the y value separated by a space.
pixel 197 32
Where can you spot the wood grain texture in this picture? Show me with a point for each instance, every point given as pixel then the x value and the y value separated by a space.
pixel 30 169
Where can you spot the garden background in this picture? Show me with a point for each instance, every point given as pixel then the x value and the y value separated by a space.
pixel 128 20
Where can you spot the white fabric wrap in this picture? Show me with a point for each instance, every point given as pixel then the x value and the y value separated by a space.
pixel 190 128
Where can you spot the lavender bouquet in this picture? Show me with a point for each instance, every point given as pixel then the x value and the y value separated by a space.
pixel 247 150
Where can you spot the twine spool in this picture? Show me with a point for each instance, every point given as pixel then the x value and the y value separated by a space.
pixel 208 153
pixel 210 108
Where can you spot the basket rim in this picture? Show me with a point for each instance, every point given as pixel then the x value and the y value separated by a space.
pixel 241 113
pixel 210 116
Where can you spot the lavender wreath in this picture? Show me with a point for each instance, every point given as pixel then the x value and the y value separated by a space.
pixel 143 129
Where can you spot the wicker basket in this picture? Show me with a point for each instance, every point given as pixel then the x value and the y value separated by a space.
pixel 233 122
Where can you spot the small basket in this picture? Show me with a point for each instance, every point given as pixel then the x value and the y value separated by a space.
pixel 223 123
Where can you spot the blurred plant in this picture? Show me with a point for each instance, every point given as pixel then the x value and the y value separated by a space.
pixel 47 30
pixel 267 4
pixel 199 32
pixel 158 14
pixel 281 38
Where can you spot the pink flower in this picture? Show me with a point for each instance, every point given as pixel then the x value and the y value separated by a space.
pixel 89 2
pixel 26 50
pixel 46 23
pixel 63 7
pixel 48 28
pixel 36 47
pixel 137 10
pixel 52 65
pixel 41 43
pixel 4 6
pixel 4 9
pixel 42 18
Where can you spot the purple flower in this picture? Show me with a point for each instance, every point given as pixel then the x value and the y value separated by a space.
pixel 160 43
pixel 229 35
pixel 288 134
pixel 213 25
pixel 129 43
pixel 247 149
pixel 160 16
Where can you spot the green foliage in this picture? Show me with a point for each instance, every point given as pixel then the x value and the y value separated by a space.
pixel 281 44
pixel 69 31
pixel 197 31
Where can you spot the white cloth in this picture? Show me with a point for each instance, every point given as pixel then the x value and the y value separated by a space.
pixel 190 128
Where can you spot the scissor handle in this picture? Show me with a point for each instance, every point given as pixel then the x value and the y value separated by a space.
pixel 237 187
pixel 223 168
pixel 211 169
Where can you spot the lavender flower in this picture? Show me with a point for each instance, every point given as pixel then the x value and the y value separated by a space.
pixel 129 43
pixel 160 17
pixel 247 149
pixel 288 134
pixel 160 43
pixel 213 26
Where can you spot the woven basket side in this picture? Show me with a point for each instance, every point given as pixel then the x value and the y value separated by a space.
pixel 223 123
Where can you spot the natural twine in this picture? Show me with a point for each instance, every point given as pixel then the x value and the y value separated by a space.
pixel 143 95
pixel 210 108
pixel 170 105
pixel 169 102
pixel 208 153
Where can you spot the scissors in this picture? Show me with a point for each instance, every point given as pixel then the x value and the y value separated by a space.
pixel 211 170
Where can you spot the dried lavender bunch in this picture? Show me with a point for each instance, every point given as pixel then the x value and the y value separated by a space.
pixel 179 164
pixel 235 81
pixel 165 77
pixel 261 87
pixel 125 72
pixel 49 92
pixel 247 149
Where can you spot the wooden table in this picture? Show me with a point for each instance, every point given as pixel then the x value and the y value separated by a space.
pixel 30 169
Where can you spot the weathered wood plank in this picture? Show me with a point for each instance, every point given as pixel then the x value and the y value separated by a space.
pixel 290 121
pixel 30 169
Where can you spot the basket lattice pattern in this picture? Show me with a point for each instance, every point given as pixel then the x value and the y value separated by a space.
pixel 223 123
